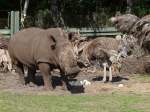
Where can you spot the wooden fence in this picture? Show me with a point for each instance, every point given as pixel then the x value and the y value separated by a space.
pixel 95 32
pixel 14 22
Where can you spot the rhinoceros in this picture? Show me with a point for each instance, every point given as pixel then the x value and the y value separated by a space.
pixel 45 50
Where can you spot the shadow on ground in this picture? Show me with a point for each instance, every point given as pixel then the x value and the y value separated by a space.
pixel 114 79
pixel 56 81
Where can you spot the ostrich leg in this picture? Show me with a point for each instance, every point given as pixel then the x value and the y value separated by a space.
pixel 104 77
pixel 110 74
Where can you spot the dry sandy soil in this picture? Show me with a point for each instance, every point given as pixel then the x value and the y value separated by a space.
pixel 121 82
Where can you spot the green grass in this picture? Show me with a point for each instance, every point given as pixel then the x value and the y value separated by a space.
pixel 141 78
pixel 110 102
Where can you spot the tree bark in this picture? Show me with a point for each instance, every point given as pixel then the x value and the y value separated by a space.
pixel 25 8
pixel 129 6
pixel 56 13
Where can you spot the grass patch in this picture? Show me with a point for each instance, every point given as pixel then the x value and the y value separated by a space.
pixel 110 102
pixel 141 78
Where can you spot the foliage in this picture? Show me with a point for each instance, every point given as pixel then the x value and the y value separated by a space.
pixel 142 8
pixel 92 13
pixel 84 13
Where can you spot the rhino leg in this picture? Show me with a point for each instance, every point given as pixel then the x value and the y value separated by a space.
pixel 45 70
pixel 64 82
pixel 31 76
pixel 19 70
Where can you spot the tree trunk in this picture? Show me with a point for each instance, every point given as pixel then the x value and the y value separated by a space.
pixel 24 12
pixel 129 5
pixel 26 4
pixel 56 13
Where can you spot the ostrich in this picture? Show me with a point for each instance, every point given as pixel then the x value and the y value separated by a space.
pixel 101 52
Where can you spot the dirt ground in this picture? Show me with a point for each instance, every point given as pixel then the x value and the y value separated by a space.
pixel 121 82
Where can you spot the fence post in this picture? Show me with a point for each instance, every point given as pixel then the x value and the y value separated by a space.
pixel 11 23
pixel 14 27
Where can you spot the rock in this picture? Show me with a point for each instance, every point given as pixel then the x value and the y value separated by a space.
pixel 120 85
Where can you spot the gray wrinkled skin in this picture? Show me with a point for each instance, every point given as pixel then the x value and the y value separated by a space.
pixel 45 49
pixel 64 50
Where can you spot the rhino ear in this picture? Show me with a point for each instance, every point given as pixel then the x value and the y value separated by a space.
pixel 53 42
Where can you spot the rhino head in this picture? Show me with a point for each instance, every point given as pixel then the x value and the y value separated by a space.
pixel 68 61
pixel 66 58
pixel 124 23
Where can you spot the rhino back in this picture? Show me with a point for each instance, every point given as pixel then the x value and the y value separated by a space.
pixel 30 46
pixel 59 35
